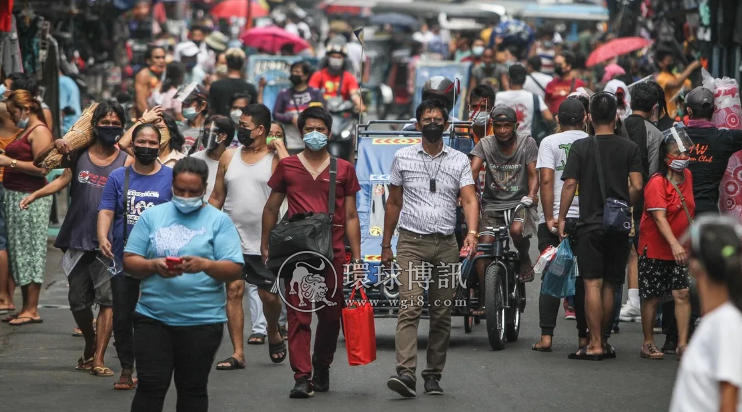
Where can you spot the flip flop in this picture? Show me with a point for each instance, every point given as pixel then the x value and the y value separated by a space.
pixel 125 383
pixel 102 371
pixel 25 322
pixel 233 364
pixel 583 355
pixel 533 347
pixel 6 311
pixel 275 349
pixel 84 365
pixel 528 276
pixel 609 352
pixel 284 331
pixel 10 317
pixel 256 339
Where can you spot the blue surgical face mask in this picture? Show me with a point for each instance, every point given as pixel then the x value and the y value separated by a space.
pixel 187 204
pixel 315 140
pixel 189 113
pixel 22 123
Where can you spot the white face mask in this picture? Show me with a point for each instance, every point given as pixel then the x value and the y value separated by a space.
pixel 235 115
pixel 679 165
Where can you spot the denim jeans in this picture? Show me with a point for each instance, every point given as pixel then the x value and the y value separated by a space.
pixel 163 352
pixel 125 297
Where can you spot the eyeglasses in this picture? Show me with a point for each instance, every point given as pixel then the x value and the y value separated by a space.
pixel 427 121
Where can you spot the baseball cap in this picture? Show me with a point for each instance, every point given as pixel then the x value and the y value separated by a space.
pixel 571 111
pixel 504 114
pixel 700 98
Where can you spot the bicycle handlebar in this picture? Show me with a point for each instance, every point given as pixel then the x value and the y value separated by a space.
pixel 491 230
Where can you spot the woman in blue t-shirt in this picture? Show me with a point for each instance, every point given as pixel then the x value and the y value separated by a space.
pixel 184 251
pixel 149 184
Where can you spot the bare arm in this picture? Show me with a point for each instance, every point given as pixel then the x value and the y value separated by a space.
pixel 470 205
pixel 219 194
pixel 149 116
pixel 635 188
pixel 353 226
pixel 547 192
pixel 220 270
pixel 532 181
pixel 680 79
pixel 142 91
pixel 139 267
pixel 660 217
pixel 391 214
pixel 729 397
pixel 476 167
pixel 568 195
pixel 548 117
pixel 280 149
pixel 270 218
pixel 103 227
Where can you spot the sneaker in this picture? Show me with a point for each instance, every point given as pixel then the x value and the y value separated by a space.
pixel 403 385
pixel 302 389
pixel 321 377
pixel 630 313
pixel 432 387
pixel 670 346
pixel 569 313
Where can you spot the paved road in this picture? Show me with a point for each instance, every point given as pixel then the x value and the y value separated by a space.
pixel 37 372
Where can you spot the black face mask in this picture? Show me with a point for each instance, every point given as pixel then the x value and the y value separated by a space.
pixel 296 80
pixel 433 132
pixel 559 70
pixel 244 136
pixel 146 155
pixel 109 135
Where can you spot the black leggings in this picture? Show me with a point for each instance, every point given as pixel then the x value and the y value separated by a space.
pixel 125 290
pixel 183 352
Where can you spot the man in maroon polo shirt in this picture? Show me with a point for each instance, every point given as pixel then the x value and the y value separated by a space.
pixel 304 180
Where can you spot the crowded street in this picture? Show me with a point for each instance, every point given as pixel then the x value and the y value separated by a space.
pixel 480 205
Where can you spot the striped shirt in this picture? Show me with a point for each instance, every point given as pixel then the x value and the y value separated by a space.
pixel 425 212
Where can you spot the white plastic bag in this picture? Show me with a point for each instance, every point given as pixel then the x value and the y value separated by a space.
pixel 727 105
pixel 543 261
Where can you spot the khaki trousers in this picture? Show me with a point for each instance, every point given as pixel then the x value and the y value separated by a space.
pixel 425 261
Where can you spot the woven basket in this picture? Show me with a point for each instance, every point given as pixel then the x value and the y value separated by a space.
pixel 80 136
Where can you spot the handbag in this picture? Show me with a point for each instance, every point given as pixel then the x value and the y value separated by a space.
pixel 682 202
pixel 359 330
pixel 293 239
pixel 616 212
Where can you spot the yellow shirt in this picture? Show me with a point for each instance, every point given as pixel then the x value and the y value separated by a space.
pixel 663 78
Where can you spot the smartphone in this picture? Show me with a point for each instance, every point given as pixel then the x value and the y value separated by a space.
pixel 172 262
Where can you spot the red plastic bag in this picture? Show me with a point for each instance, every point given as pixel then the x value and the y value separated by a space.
pixel 360 330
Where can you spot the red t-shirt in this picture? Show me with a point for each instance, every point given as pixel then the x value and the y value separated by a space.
pixel 557 91
pixel 329 84
pixel 304 194
pixel 660 195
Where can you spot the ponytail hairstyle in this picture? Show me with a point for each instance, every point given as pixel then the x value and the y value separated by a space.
pixel 23 99
pixel 715 242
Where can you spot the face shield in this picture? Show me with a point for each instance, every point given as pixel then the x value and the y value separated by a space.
pixel 679 137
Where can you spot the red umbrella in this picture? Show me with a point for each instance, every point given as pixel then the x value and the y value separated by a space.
pixel 238 8
pixel 615 48
pixel 271 39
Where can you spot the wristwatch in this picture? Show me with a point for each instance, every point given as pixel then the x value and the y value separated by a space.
pixel 13 163
pixel 383 246
pixel 473 232
pixel 358 261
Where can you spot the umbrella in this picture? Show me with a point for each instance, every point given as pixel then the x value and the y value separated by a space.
pixel 514 32
pixel 615 48
pixel 272 39
pixel 238 8
pixel 395 19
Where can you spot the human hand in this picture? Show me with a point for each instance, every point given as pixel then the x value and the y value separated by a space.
pixel 264 254
pixel 275 144
pixel 262 83
pixel 62 146
pixel 152 115
pixel 387 257
pixel 695 65
pixel 678 251
pixel 194 264
pixel 359 271
pixel 105 248
pixel 527 201
pixel 26 201
pixel 563 229
pixel 471 243
pixel 161 268
pixel 553 226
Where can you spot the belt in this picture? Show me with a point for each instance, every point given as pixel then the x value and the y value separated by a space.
pixel 425 236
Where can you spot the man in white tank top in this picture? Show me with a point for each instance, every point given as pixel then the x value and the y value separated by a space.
pixel 241 190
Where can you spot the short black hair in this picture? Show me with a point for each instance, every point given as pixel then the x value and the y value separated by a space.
pixel 431 104
pixel 306 68
pixel 224 125
pixel 176 138
pixel 23 81
pixel 643 96
pixel 662 52
pixel 583 99
pixel 192 165
pixel 603 109
pixel 660 96
pixel 144 126
pixel 314 112
pixel 105 107
pixel 535 63
pixel 260 114
pixel 517 74
pixel 238 96
pixel 235 60
pixel 484 91
pixel 569 58
pixel 580 61
pixel 700 113
pixel 151 49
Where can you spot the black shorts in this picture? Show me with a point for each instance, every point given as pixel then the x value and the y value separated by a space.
pixel 255 272
pixel 82 293
pixel 602 256
pixel 546 238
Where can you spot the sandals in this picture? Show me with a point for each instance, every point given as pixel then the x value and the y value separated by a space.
pixel 651 351
pixel 583 355
pixel 101 371
pixel 284 331
pixel 231 364
pixel 540 348
pixel 125 383
pixel 256 339
pixel 277 349
pixel 527 276
pixel 24 320
pixel 609 352
pixel 84 364
pixel 10 317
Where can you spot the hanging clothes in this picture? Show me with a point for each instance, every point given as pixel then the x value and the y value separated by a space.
pixel 50 83
pixel 10 51
pixel 28 34
pixel 6 15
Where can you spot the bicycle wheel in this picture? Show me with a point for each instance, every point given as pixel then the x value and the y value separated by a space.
pixel 468 323
pixel 494 306
pixel 512 326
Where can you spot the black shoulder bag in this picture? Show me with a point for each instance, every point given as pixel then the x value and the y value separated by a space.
pixel 539 126
pixel 616 213
pixel 304 234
